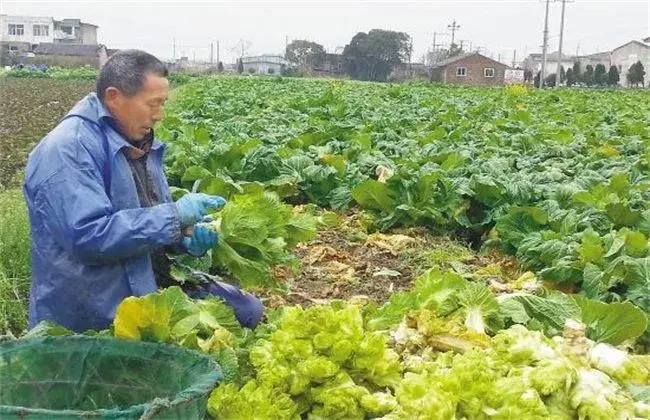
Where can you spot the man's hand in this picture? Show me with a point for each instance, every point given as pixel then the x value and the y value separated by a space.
pixel 203 239
pixel 192 207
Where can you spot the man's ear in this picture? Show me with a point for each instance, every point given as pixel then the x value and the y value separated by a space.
pixel 111 94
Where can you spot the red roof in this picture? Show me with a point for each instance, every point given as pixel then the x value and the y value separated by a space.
pixel 457 58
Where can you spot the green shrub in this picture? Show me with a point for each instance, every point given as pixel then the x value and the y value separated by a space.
pixel 14 262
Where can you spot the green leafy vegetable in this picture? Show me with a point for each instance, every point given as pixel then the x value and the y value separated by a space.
pixel 256 232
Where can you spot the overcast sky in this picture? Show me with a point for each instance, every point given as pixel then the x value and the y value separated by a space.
pixel 498 26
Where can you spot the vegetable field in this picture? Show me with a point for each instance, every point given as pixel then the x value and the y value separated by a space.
pixel 423 251
pixel 29 108
pixel 558 180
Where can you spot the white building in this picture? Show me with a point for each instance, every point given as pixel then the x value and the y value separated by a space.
pixel 24 33
pixel 264 64
pixel 627 54
pixel 622 57
pixel 533 62
pixel 26 29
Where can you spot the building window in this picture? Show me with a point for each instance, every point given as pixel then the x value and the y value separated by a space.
pixel 66 29
pixel 41 30
pixel 488 72
pixel 16 29
pixel 461 71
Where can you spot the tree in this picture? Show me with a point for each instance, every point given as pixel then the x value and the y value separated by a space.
pixel 613 77
pixel 454 50
pixel 600 75
pixel 588 77
pixel 528 76
pixel 220 67
pixel 570 78
pixel 636 74
pixel 305 53
pixel 270 70
pixel 240 66
pixel 551 80
pixel 241 48
pixel 562 75
pixel 372 55
pixel 577 72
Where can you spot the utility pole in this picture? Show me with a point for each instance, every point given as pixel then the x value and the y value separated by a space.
pixel 499 59
pixel 464 42
pixel 514 59
pixel 218 60
pixel 435 46
pixel 174 46
pixel 542 75
pixel 434 56
pixel 559 50
pixel 211 53
pixel 454 27
pixel 286 43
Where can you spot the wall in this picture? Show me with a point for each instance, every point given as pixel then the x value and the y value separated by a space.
pixel 17 48
pixel 9 57
pixel 629 54
pixel 102 57
pixel 551 65
pixel 263 67
pixel 28 22
pixel 261 64
pixel 88 34
pixel 594 61
pixel 62 60
pixel 475 65
pixel 406 71
pixel 437 74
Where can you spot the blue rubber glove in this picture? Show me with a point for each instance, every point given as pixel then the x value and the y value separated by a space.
pixel 193 206
pixel 203 239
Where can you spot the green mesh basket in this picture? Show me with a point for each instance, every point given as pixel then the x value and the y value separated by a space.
pixel 102 377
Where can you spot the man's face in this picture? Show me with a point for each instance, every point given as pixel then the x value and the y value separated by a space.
pixel 136 115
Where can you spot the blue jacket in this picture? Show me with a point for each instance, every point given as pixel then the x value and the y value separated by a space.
pixel 91 240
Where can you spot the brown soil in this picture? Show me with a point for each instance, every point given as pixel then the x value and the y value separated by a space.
pixel 29 108
pixel 345 263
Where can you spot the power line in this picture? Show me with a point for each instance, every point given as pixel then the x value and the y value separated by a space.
pixel 454 27
pixel 435 45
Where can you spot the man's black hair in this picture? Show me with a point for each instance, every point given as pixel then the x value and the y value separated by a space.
pixel 126 70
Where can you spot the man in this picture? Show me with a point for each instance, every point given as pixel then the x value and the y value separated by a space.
pixel 100 207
